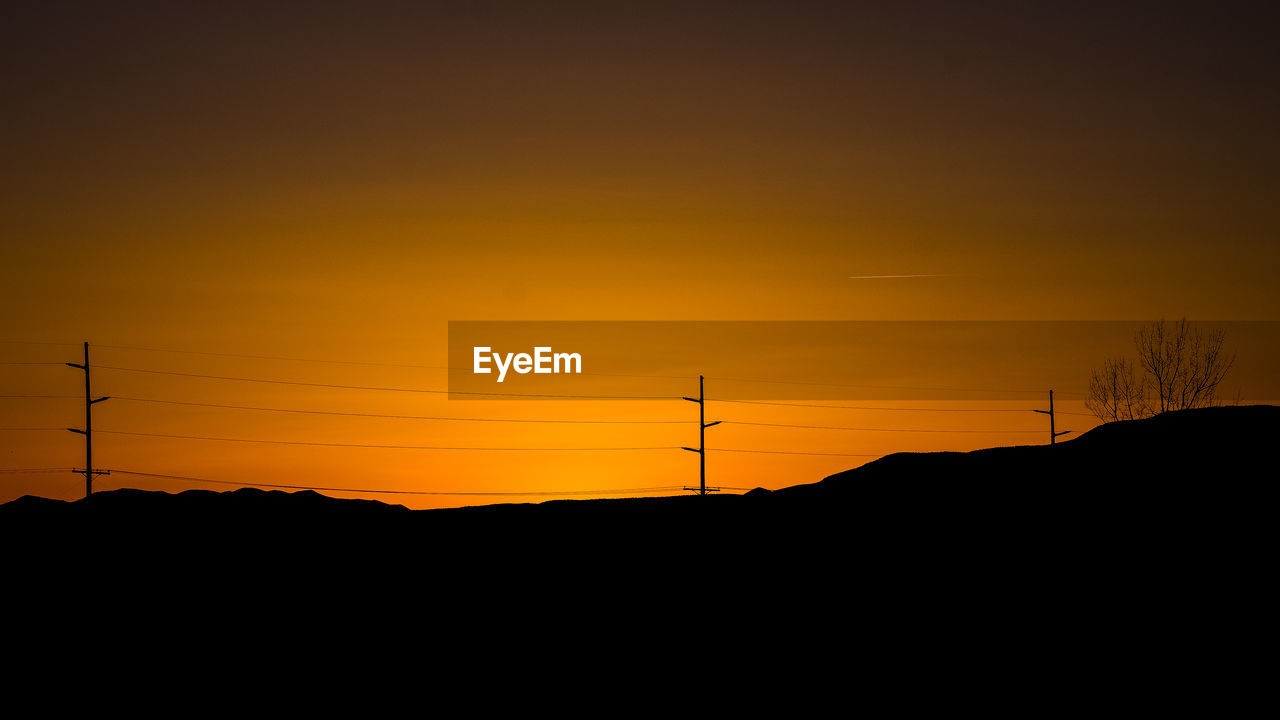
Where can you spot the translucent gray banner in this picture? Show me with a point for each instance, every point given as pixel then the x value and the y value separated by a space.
pixel 819 360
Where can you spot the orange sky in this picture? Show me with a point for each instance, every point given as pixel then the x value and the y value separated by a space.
pixel 338 181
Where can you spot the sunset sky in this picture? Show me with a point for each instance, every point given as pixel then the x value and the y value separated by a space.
pixel 338 181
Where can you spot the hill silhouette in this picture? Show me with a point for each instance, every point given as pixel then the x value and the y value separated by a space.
pixel 1196 455
pixel 1147 536
pixel 1121 479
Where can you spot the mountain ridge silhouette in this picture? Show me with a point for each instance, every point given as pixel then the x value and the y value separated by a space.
pixel 1184 477
pixel 1004 557
pixel 1151 446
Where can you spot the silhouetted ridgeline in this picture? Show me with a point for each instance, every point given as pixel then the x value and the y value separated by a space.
pixel 1132 550
pixel 1179 473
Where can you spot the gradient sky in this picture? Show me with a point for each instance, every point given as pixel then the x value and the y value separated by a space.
pixel 339 180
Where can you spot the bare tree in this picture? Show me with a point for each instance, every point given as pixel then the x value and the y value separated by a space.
pixel 1118 392
pixel 1183 365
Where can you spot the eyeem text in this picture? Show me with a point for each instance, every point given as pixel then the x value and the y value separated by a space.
pixel 541 362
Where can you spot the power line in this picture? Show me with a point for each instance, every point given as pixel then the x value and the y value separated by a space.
pixel 794 452
pixel 389 389
pixel 35 470
pixel 368 363
pixel 401 417
pixel 367 445
pixel 539 420
pixel 526 395
pixel 446 367
pixel 620 491
pixel 671 377
pixel 350 362
pixel 436 447
pixel 275 357
pixel 586 422
pixel 876 387
pixel 866 407
pixel 866 429
pixel 505 394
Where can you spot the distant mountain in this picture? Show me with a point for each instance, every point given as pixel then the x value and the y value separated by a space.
pixel 243 500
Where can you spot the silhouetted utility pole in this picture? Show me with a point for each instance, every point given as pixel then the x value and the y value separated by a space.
pixel 1053 435
pixel 87 432
pixel 702 440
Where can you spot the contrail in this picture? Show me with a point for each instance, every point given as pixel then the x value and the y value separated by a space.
pixel 886 277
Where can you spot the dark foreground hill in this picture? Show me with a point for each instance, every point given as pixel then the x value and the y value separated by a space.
pixel 1136 550
pixel 1190 478
pixel 1186 469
